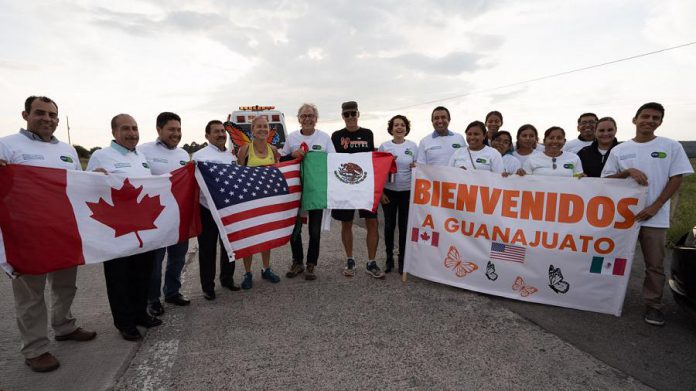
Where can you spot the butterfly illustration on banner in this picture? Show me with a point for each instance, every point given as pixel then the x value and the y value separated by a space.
pixel 241 136
pixel 490 271
pixel 556 280
pixel 520 286
pixel 455 262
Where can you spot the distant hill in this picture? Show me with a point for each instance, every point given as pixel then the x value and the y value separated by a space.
pixel 690 148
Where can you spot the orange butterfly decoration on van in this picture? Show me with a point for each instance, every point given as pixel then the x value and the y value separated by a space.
pixel 455 262
pixel 525 290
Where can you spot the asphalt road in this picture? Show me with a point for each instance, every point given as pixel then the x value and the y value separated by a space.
pixel 360 333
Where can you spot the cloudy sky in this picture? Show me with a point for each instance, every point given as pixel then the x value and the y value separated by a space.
pixel 202 59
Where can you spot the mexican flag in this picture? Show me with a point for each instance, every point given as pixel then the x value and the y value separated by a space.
pixel 52 219
pixel 344 180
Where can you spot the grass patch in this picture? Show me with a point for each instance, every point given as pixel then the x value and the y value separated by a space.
pixel 684 216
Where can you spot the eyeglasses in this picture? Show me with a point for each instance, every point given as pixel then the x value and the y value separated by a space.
pixel 553 161
pixel 303 116
pixel 585 123
pixel 350 114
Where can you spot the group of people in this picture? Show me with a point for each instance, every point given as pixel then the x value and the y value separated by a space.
pixel 134 283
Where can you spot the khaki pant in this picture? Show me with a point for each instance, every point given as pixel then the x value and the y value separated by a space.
pixel 652 243
pixel 31 310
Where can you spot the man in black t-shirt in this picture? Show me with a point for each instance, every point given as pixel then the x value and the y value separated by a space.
pixel 352 139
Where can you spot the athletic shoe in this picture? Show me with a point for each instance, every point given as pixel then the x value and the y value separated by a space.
pixel 654 317
pixel 349 271
pixel 295 269
pixel 373 270
pixel 246 283
pixel 270 276
pixel 309 275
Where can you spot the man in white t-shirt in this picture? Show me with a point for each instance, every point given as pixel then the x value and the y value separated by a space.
pixel 659 163
pixel 437 147
pixel 127 278
pixel 164 156
pixel 311 139
pixel 36 146
pixel 214 152
pixel 587 123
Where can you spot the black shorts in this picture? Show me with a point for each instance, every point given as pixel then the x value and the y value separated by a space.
pixel 348 214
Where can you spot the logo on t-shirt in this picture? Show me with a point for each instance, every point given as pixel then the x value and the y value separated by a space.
pixel 316 147
pixel 569 166
pixel 481 160
pixel 659 155
pixel 182 162
pixel 144 165
pixel 408 151
pixel 66 159
pixel 455 145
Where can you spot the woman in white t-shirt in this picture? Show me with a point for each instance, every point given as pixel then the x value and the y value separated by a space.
pixel 477 156
pixel 553 161
pixel 397 194
pixel 502 142
pixel 527 143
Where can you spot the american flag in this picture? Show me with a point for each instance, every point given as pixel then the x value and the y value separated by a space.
pixel 507 252
pixel 256 206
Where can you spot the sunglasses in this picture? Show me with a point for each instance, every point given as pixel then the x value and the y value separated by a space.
pixel 553 161
pixel 350 114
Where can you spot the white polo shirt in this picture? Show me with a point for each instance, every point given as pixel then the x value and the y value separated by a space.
pixel 486 159
pixel 29 149
pixel 575 145
pixel 317 141
pixel 436 150
pixel 161 158
pixel 213 154
pixel 116 159
pixel 659 159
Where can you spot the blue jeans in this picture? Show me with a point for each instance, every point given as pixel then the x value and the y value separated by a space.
pixel 176 257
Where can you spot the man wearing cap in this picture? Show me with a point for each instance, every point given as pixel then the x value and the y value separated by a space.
pixel 437 147
pixel 163 156
pixel 352 139
pixel 36 146
pixel 127 278
pixel 214 152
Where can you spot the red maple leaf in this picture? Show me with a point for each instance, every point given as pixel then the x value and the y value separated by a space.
pixel 127 215
pixel 425 236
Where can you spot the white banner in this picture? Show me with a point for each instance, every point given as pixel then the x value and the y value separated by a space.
pixel 561 241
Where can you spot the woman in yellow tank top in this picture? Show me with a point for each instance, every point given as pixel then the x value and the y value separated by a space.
pixel 256 154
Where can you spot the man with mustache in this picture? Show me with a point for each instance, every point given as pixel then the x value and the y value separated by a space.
pixel 36 146
pixel 163 156
pixel 214 152
pixel 127 278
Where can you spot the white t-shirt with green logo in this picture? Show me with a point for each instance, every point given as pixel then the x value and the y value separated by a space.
pixel 659 159
pixel 486 159
pixel 567 164
pixel 20 149
pixel 317 141
pixel 405 154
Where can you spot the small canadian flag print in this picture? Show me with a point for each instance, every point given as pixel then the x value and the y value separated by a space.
pixel 425 236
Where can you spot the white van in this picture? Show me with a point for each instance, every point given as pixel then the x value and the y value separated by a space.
pixel 241 120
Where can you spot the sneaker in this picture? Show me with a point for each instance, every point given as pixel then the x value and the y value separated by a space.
pixel 654 317
pixel 349 271
pixel 309 275
pixel 295 269
pixel 155 309
pixel 373 270
pixel 246 283
pixel 270 276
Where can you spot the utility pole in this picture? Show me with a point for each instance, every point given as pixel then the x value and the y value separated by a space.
pixel 67 121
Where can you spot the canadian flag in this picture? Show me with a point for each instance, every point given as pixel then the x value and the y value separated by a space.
pixel 52 219
pixel 425 236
